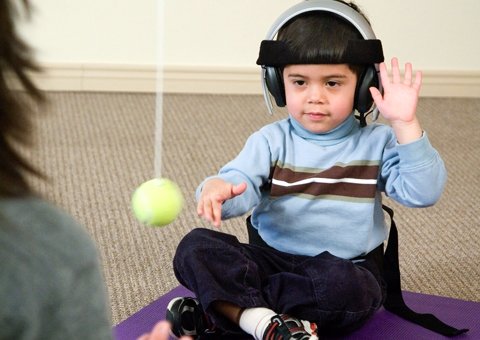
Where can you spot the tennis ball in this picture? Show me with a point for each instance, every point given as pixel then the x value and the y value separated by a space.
pixel 157 202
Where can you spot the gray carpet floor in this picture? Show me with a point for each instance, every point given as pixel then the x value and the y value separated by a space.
pixel 98 147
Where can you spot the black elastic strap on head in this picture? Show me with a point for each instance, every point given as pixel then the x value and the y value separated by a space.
pixel 278 53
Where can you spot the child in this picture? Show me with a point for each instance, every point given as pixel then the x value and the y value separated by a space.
pixel 314 181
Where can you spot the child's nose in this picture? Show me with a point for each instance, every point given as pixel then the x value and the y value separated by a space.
pixel 317 95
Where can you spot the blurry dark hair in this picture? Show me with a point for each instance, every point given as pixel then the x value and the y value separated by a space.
pixel 16 105
pixel 321 35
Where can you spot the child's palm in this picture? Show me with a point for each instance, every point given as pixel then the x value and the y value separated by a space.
pixel 400 97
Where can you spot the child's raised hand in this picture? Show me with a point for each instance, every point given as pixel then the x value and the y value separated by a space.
pixel 399 101
pixel 214 192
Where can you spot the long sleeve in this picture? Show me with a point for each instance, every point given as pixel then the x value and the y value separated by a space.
pixel 413 174
pixel 252 165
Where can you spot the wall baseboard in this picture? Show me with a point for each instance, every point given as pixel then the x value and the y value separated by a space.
pixel 210 79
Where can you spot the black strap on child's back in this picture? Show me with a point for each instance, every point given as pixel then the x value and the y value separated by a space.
pixel 394 302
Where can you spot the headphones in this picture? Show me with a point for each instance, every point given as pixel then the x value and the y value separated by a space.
pixel 272 79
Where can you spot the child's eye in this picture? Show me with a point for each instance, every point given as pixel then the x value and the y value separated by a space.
pixel 332 83
pixel 299 82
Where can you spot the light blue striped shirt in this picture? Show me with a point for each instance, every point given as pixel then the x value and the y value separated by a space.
pixel 328 194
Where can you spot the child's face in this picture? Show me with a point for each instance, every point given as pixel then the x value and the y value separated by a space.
pixel 320 97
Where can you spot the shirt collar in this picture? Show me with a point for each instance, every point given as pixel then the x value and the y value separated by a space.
pixel 332 137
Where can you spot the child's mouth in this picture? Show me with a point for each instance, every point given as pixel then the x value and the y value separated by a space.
pixel 317 115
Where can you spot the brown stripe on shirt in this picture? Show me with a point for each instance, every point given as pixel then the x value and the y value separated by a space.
pixel 353 190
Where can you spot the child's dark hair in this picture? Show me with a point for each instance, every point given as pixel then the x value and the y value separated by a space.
pixel 321 35
pixel 16 63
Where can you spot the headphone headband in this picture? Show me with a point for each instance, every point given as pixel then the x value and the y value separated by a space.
pixel 335 7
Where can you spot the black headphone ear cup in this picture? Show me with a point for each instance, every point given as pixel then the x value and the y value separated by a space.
pixel 274 82
pixel 363 98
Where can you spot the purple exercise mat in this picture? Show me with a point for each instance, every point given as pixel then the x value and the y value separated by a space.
pixel 384 325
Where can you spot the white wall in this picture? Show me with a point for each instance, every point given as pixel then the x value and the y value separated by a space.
pixel 432 33
pixel 216 41
pixel 93 31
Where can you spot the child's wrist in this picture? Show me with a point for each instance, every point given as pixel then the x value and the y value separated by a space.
pixel 407 132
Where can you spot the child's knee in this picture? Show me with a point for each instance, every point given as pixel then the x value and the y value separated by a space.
pixel 342 285
pixel 191 243
pixel 202 237
pixel 202 242
pixel 356 290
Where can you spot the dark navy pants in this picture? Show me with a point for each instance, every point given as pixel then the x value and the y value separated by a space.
pixel 337 294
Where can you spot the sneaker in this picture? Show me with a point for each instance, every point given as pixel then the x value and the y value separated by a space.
pixel 188 318
pixel 284 327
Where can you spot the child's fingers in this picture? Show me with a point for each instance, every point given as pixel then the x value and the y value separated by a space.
pixel 395 71
pixel 210 204
pixel 216 213
pixel 206 209
pixel 210 209
pixel 407 79
pixel 384 75
pixel 418 81
pixel 239 189
pixel 202 207
pixel 376 95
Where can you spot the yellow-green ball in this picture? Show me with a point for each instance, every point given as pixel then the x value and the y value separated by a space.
pixel 157 202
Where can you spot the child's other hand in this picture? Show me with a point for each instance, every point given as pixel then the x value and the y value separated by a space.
pixel 399 101
pixel 214 192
